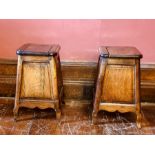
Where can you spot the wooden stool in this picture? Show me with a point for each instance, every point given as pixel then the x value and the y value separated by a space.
pixel 39 81
pixel 118 81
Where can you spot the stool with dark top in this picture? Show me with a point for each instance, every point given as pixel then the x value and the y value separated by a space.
pixel 39 81
pixel 118 82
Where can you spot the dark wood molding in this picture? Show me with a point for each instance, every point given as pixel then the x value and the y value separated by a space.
pixel 8 61
pixel 78 78
pixel 148 82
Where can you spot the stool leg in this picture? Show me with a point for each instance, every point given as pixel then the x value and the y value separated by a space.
pixel 54 86
pixel 61 81
pixel 58 114
pixel 94 117
pixel 15 112
pixel 139 120
pixel 18 85
pixel 137 94
pixel 98 92
pixel 58 110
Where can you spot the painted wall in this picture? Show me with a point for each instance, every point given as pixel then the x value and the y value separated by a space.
pixel 79 39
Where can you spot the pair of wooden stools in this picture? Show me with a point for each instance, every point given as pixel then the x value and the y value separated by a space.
pixel 39 80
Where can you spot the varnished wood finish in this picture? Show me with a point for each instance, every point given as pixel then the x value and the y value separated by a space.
pixel 39 84
pixel 37 78
pixel 118 82
pixel 113 107
pixel 78 78
pixel 7 78
pixel 137 93
pixel 38 50
pixel 99 83
pixel 148 82
pixel 79 71
pixel 78 90
pixel 119 52
pixel 121 61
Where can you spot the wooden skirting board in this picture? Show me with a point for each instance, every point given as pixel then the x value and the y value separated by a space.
pixel 78 80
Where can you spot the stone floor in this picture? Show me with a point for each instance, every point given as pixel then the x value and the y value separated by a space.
pixel 74 120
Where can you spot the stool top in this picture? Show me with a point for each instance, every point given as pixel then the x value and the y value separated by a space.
pixel 119 52
pixel 38 49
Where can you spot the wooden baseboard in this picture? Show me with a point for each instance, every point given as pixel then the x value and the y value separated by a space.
pixel 78 79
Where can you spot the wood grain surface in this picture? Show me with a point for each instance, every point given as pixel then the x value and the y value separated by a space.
pixel 39 85
pixel 118 84
pixel 74 80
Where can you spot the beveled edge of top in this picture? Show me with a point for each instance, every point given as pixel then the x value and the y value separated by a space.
pixel 119 52
pixel 52 50
pixel 103 52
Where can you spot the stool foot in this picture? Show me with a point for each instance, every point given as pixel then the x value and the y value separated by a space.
pixel 15 113
pixel 15 118
pixel 139 120
pixel 58 115
pixel 94 118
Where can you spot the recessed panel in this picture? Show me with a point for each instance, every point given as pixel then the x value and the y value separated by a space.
pixel 35 81
pixel 118 84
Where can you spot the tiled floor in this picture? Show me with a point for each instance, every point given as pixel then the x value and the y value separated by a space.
pixel 74 120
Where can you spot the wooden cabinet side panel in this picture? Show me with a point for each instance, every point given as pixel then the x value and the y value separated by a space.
pixel 118 84
pixel 35 81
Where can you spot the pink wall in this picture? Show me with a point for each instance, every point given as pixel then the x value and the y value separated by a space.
pixel 79 39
